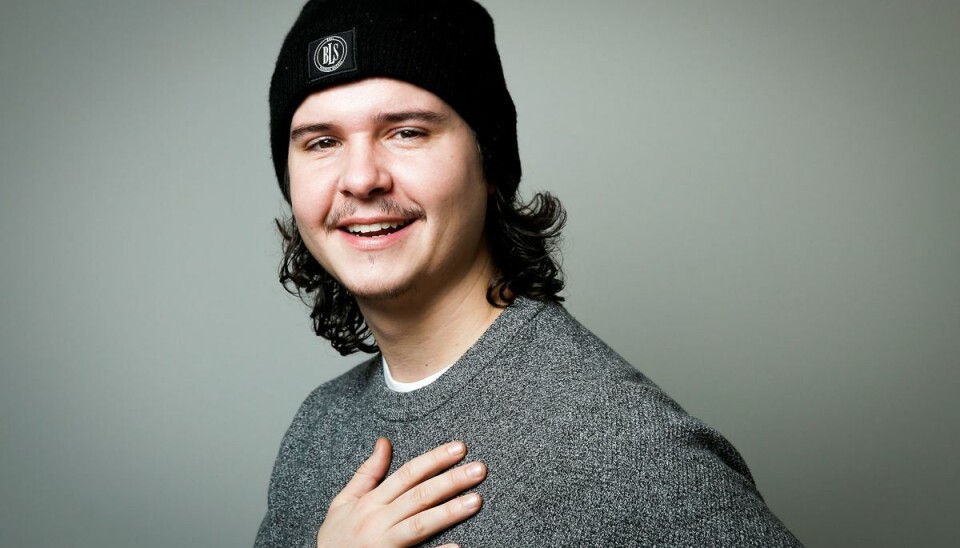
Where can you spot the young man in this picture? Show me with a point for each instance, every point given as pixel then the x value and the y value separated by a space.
pixel 394 139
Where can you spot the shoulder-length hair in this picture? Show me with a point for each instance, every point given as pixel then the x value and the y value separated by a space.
pixel 524 242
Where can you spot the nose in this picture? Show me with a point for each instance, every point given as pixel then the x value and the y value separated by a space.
pixel 364 174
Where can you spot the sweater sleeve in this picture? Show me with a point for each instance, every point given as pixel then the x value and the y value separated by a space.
pixel 692 487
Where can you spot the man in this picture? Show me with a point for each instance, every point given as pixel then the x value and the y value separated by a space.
pixel 394 139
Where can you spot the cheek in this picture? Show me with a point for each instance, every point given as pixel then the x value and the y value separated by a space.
pixel 304 217
pixel 465 206
pixel 309 203
pixel 463 189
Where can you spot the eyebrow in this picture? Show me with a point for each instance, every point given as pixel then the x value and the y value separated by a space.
pixel 421 115
pixel 305 129
pixel 429 116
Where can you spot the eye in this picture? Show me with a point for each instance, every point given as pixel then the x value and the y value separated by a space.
pixel 409 134
pixel 322 143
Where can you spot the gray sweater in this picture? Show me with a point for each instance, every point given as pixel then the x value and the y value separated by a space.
pixel 581 449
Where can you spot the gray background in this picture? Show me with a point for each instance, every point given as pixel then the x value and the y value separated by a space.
pixel 764 217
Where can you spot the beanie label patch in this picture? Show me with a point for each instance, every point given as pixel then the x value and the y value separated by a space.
pixel 332 55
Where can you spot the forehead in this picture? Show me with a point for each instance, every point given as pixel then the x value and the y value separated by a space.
pixel 367 98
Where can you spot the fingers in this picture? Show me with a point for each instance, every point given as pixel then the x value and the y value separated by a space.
pixel 370 473
pixel 402 509
pixel 436 490
pixel 419 469
pixel 422 526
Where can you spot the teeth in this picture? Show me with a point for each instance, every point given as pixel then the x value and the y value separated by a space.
pixel 361 229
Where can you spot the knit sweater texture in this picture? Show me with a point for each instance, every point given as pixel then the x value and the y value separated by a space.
pixel 581 449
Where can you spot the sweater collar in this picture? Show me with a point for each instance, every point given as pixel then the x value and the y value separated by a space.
pixel 501 337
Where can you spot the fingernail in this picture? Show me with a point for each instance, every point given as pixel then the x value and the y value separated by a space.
pixel 457 448
pixel 475 470
pixel 470 502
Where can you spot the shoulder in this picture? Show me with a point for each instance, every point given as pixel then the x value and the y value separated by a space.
pixel 625 416
pixel 336 397
pixel 563 352
pixel 629 441
pixel 339 391
pixel 323 405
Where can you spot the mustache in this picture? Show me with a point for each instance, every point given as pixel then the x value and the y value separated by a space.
pixel 385 206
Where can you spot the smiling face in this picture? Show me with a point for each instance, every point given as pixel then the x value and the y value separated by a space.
pixel 388 191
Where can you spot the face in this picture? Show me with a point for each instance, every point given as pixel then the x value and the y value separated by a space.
pixel 387 189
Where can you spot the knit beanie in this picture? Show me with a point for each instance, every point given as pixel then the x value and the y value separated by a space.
pixel 446 47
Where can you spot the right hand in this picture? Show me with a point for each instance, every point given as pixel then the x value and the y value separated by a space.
pixel 406 508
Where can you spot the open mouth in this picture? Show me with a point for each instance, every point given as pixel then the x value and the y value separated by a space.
pixel 377 229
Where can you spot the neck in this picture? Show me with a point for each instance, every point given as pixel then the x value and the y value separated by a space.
pixel 430 332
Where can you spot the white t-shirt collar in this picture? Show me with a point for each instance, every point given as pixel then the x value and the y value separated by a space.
pixel 398 386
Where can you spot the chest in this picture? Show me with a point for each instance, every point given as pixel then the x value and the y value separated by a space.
pixel 542 466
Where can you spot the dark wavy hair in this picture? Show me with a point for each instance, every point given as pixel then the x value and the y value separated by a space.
pixel 524 242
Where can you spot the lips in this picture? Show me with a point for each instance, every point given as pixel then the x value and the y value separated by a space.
pixel 372 230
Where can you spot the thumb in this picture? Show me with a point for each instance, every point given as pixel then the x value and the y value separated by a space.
pixel 371 472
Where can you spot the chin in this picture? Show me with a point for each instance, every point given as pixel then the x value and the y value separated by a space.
pixel 379 292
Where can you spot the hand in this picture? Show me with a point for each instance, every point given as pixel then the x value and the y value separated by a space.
pixel 406 508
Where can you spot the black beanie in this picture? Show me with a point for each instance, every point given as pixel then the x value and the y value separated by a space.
pixel 446 47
